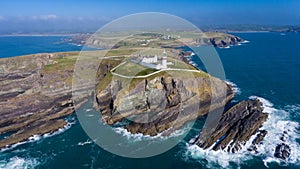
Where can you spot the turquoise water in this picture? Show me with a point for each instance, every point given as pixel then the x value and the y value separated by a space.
pixel 267 67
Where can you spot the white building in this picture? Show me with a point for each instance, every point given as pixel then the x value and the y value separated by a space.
pixel 150 59
pixel 164 60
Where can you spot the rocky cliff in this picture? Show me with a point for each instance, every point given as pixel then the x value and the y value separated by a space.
pixel 235 128
pixel 226 41
pixel 35 95
pixel 163 102
pixel 35 98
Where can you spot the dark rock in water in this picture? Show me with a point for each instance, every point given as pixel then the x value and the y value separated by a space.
pixel 260 136
pixel 284 136
pixel 282 151
pixel 236 127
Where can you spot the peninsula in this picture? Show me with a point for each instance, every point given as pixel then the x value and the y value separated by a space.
pixel 36 93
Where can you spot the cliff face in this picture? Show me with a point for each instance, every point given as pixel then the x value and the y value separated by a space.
pixel 160 103
pixel 35 95
pixel 226 41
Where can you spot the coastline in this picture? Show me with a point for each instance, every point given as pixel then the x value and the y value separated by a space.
pixel 284 120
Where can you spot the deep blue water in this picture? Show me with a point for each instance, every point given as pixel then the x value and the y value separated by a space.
pixel 22 45
pixel 267 67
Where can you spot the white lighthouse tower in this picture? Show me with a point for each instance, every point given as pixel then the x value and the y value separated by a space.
pixel 164 60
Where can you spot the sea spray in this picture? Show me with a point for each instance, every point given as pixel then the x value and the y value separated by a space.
pixel 277 124
pixel 235 88
pixel 18 162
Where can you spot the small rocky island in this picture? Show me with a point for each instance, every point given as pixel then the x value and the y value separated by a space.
pixel 36 95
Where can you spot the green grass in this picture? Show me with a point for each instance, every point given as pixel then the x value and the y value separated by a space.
pixel 62 64
pixel 178 64
pixel 104 82
pixel 120 52
pixel 133 69
pixel 60 68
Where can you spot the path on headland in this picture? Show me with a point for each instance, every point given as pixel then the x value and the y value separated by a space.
pixel 148 75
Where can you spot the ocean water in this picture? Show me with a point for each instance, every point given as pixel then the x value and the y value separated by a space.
pixel 22 45
pixel 266 68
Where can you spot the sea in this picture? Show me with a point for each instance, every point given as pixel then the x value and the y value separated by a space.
pixel 266 67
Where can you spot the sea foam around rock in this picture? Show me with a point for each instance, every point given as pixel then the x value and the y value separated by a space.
pixel 18 162
pixel 278 123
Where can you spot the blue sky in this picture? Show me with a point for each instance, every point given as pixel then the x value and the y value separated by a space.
pixel 52 13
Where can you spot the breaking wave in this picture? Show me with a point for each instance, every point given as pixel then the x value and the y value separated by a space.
pixel 235 88
pixel 85 143
pixel 139 136
pixel 278 125
pixel 36 137
pixel 18 163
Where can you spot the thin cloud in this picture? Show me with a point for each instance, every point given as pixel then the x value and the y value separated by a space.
pixel 44 17
pixel 92 18
pixel 2 18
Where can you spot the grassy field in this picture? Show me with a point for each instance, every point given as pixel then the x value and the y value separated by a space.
pixel 64 64
pixel 178 64
pixel 133 69
pixel 121 52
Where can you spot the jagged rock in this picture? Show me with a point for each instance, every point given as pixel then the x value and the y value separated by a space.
pixel 260 136
pixel 282 151
pixel 32 104
pixel 160 103
pixel 236 127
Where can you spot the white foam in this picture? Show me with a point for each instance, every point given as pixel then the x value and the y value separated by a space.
pixel 69 124
pixel 219 158
pixel 18 163
pixel 84 143
pixel 277 122
pixel 235 88
pixel 193 63
pixel 294 110
pixel 139 136
pixel 245 41
pixel 35 138
pixel 227 47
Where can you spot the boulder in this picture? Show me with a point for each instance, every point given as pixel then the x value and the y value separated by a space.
pixel 282 151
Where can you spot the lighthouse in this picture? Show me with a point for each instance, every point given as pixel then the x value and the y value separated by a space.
pixel 164 60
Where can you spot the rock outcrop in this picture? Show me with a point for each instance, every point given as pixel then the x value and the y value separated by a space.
pixel 35 96
pixel 282 151
pixel 225 42
pixel 162 102
pixel 236 127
